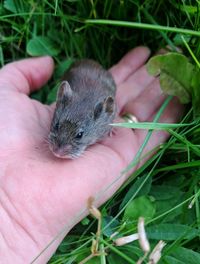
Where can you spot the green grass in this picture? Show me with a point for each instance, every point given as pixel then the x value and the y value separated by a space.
pixel 168 183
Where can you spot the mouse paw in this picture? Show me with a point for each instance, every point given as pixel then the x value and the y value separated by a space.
pixel 112 132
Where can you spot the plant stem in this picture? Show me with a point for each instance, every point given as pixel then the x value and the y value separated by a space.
pixel 142 26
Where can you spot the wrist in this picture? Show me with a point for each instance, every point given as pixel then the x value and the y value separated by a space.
pixel 16 244
pixel 23 231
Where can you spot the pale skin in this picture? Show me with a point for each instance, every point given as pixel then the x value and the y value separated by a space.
pixel 41 194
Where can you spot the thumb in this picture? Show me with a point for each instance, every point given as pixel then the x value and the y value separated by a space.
pixel 27 75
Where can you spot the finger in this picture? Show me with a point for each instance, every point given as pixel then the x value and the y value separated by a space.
pixel 147 102
pixel 129 64
pixel 27 75
pixel 133 87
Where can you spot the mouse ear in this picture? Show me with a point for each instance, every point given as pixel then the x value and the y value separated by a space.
pixel 109 105
pixel 97 110
pixel 64 90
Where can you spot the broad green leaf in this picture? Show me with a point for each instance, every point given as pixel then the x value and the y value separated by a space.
pixel 141 206
pixel 175 182
pixel 38 95
pixel 85 221
pixel 62 67
pixel 165 192
pixel 178 40
pixel 188 256
pixel 134 188
pixel 166 197
pixel 196 92
pixel 176 73
pixel 170 260
pixel 172 87
pixel 39 46
pixel 108 231
pixel 42 94
pixel 129 250
pixel 186 8
pixel 175 64
pixel 95 260
pixel 81 256
pixel 178 77
pixel 67 243
pixel 171 232
pixel 52 94
pixel 166 205
pixel 114 258
pixel 11 5
pixel 17 6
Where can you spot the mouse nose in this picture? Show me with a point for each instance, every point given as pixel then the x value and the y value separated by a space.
pixel 61 151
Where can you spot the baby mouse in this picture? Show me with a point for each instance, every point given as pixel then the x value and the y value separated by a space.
pixel 85 107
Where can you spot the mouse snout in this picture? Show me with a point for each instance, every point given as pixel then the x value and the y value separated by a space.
pixel 61 152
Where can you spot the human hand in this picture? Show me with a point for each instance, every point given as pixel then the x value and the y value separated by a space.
pixel 41 194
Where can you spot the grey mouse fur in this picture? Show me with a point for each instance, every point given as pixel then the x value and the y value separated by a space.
pixel 85 107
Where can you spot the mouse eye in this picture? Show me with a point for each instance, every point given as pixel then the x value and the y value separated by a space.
pixel 79 135
pixel 56 126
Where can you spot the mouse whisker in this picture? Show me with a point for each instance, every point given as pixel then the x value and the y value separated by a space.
pixel 86 152
pixel 95 152
pixel 46 140
pixel 46 144
pixel 74 156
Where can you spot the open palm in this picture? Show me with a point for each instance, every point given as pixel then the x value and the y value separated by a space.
pixel 39 193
